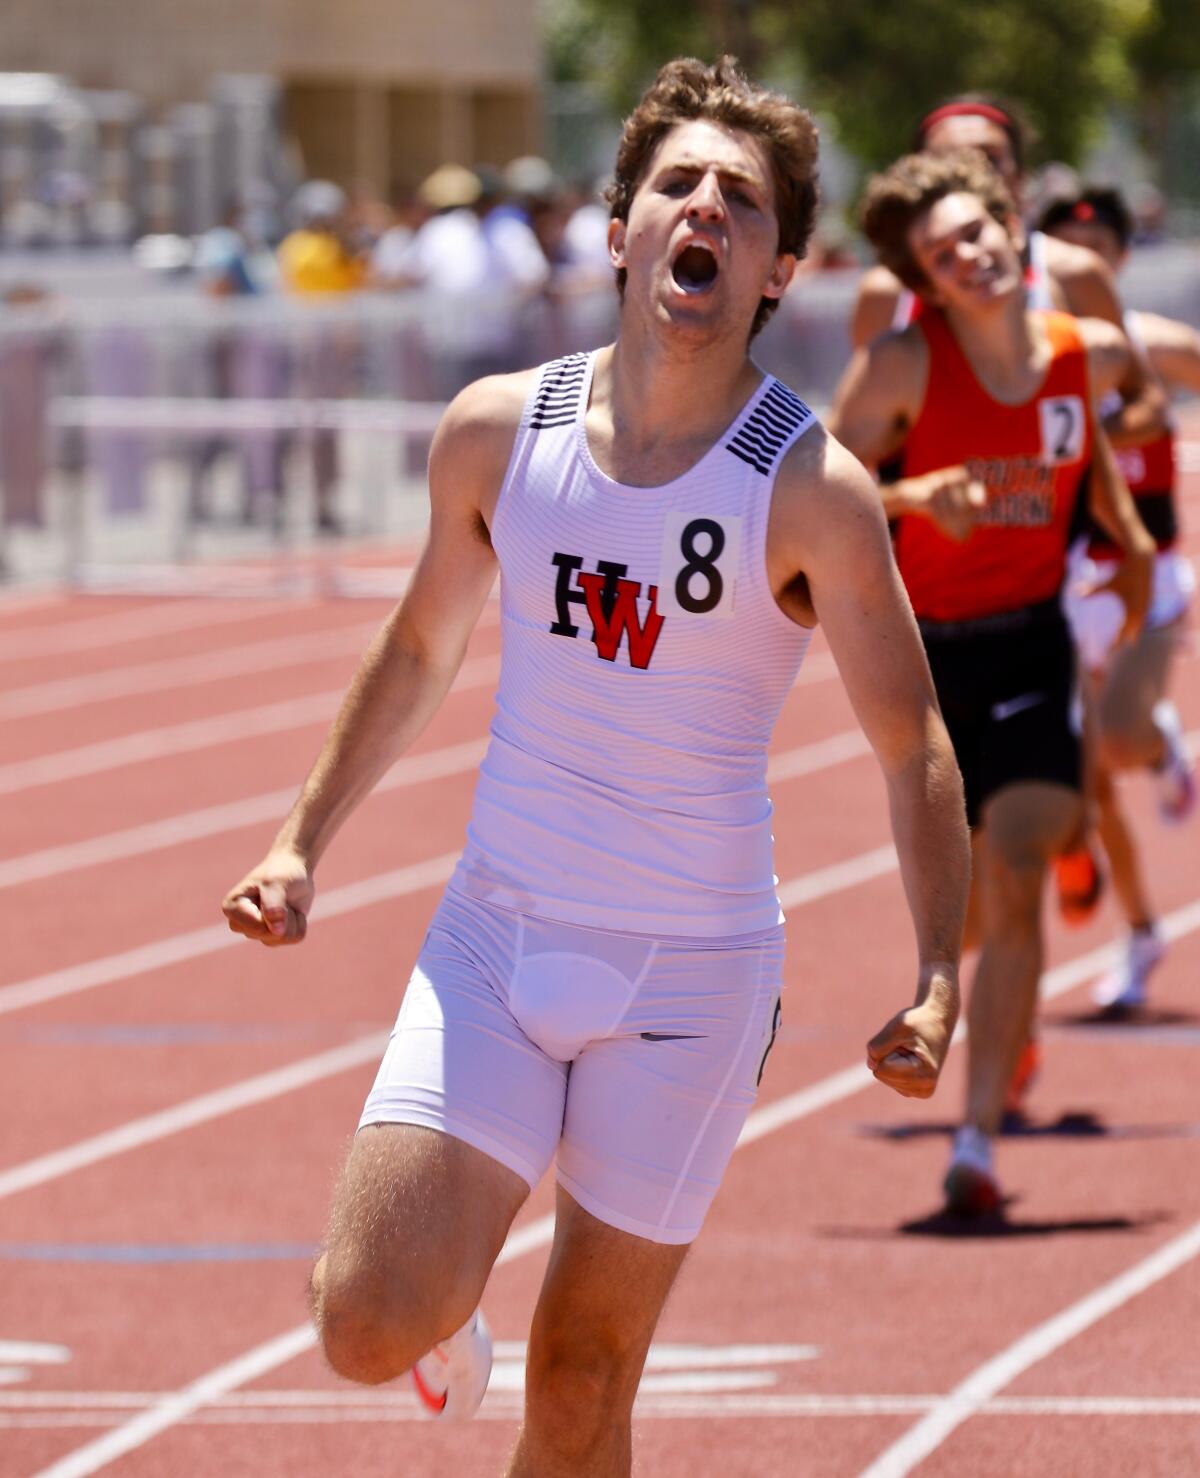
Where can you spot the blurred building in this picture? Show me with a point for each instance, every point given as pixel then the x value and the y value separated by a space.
pixel 159 110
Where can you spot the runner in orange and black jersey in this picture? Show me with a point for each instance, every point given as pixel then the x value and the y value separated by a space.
pixel 988 605
pixel 986 410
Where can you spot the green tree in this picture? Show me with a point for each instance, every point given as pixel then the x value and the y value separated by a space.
pixel 1164 57
pixel 876 65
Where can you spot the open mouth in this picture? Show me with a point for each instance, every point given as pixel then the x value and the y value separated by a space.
pixel 695 268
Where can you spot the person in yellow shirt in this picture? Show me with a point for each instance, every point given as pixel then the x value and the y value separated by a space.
pixel 315 258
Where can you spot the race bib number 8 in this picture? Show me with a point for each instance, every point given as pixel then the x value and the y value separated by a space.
pixel 700 562
pixel 1063 425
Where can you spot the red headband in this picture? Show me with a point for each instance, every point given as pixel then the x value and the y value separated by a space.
pixel 1084 211
pixel 965 110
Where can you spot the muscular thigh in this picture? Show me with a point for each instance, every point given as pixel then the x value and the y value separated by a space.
pixel 418 1214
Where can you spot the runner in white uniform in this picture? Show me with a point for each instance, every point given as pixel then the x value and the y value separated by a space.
pixel 601 980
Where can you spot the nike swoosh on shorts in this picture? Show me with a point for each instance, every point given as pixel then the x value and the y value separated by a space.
pixel 1001 711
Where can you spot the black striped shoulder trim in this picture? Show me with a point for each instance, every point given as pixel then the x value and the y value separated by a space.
pixel 769 428
pixel 557 399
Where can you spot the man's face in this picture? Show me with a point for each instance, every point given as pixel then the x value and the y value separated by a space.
pixel 700 247
pixel 970 260
pixel 970 131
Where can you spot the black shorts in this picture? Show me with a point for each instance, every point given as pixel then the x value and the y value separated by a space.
pixel 1006 685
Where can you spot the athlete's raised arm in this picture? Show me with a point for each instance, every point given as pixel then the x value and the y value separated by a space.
pixel 409 665
pixel 828 531
pixel 878 399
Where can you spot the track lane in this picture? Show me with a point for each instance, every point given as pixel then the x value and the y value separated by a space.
pixel 783 1437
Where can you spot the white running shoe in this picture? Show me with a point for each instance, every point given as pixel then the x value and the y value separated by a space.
pixel 1177 773
pixel 970 1185
pixel 451 1379
pixel 1125 988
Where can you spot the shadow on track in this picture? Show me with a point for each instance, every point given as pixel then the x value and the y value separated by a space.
pixel 1071 1124
pixel 996 1226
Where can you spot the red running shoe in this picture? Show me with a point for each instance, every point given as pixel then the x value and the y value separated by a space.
pixel 1079 883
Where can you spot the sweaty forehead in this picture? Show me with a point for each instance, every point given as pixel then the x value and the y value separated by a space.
pixel 701 145
pixel 969 131
pixel 944 219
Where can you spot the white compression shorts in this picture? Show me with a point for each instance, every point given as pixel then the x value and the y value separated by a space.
pixel 1096 619
pixel 635 1059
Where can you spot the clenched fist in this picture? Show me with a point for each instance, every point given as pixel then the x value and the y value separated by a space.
pixel 271 903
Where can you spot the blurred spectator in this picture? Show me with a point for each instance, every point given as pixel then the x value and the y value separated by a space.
pixel 317 257
pixel 586 233
pixel 481 267
pixel 27 343
pixel 224 262
pixel 390 265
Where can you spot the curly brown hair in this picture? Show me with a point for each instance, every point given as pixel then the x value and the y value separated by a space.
pixel 686 90
pixel 899 196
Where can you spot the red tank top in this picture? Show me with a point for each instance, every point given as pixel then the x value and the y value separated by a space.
pixel 1031 458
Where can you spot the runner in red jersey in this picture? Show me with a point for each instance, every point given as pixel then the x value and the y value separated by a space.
pixel 1058 274
pixel 1136 725
pixel 987 407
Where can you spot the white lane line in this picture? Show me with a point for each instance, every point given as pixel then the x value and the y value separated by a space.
pixel 970 1395
pixel 320 1408
pixel 170 673
pixel 195 1111
pixel 94 631
pixel 172 831
pixel 172 1409
pixel 197 734
pixel 196 943
pixel 260 1404
pixel 169 1410
pixel 154 836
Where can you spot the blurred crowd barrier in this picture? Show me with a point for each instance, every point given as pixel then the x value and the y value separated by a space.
pixel 150 429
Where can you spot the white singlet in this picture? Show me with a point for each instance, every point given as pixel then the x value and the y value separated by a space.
pixel 644 662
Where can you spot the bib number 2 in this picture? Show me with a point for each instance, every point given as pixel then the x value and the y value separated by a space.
pixel 699 564
pixel 1063 426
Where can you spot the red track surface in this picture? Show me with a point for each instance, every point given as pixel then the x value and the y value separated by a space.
pixel 824 1251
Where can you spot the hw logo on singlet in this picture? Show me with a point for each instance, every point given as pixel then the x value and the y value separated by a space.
pixel 611 602
pixel 698 578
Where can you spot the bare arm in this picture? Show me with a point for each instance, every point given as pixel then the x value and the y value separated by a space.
pixel 878 398
pixel 831 528
pixel 875 307
pixel 406 670
pixel 1174 350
